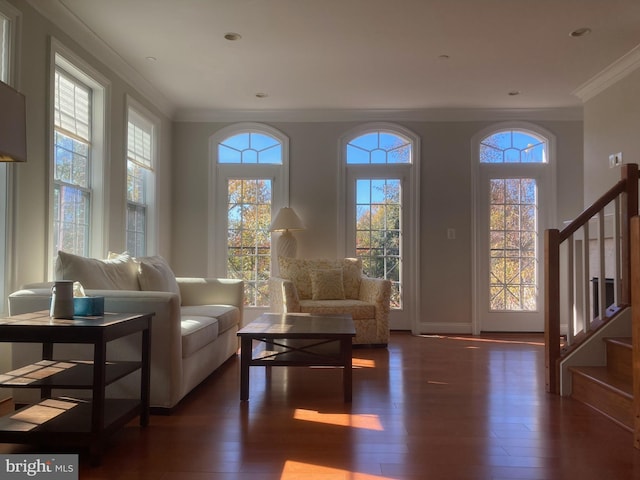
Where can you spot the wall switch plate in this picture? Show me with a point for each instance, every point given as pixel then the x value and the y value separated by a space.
pixel 451 233
pixel 615 159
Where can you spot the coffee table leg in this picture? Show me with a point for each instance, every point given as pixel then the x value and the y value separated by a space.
pixel 245 357
pixel 347 370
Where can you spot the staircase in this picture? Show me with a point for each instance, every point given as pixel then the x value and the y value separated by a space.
pixel 608 389
pixel 613 390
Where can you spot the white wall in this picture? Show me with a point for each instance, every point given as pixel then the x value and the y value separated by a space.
pixel 446 192
pixel 32 177
pixel 611 125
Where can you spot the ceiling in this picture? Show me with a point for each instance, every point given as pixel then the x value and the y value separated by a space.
pixel 354 54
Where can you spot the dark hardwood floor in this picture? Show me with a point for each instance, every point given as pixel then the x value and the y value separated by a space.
pixel 433 407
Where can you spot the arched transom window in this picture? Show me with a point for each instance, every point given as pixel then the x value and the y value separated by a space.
pixel 250 148
pixel 513 146
pixel 379 148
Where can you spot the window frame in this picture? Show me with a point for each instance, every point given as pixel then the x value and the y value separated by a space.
pixel 64 58
pixel 219 175
pixel 135 109
pixel 409 173
pixel 480 170
pixel 8 170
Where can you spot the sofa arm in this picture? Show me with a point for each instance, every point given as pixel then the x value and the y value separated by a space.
pixel 283 296
pixel 378 292
pixel 211 291
pixel 166 340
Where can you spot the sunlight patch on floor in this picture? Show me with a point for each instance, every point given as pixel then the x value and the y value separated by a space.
pixel 368 422
pixel 487 340
pixel 296 470
pixel 363 363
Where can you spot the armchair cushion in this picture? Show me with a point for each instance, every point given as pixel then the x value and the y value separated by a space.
pixel 299 270
pixel 327 284
pixel 357 308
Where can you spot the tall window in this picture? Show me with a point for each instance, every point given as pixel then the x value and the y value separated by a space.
pixel 513 226
pixel 72 143
pixel 249 161
pixel 377 162
pixel 140 180
pixel 79 113
pixel 514 203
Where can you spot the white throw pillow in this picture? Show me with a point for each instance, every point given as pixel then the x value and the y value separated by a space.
pixel 118 273
pixel 155 274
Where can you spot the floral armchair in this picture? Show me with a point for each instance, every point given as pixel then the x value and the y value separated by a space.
pixel 334 287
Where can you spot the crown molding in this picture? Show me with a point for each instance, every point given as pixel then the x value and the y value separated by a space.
pixel 56 12
pixel 368 115
pixel 610 75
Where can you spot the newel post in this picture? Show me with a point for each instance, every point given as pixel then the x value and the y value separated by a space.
pixel 635 326
pixel 630 209
pixel 552 309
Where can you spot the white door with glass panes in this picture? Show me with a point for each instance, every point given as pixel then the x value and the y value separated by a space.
pixel 513 208
pixel 380 227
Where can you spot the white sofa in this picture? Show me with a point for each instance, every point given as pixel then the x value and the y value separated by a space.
pixel 193 330
pixel 321 286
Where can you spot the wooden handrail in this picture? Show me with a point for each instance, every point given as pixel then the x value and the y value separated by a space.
pixel 592 210
pixel 627 187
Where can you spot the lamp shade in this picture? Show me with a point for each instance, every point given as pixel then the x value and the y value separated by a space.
pixel 13 125
pixel 286 219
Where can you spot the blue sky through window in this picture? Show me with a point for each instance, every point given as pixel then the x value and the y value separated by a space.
pixel 513 146
pixel 379 148
pixel 250 148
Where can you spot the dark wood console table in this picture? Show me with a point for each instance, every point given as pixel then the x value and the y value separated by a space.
pixel 67 420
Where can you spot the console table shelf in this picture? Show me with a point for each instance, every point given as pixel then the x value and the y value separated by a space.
pixel 73 422
pixel 76 374
pixel 69 420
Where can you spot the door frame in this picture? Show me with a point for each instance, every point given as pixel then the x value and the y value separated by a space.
pixel 546 219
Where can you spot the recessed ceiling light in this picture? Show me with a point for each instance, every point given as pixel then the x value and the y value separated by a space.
pixel 151 59
pixel 232 37
pixel 513 93
pixel 262 95
pixel 580 32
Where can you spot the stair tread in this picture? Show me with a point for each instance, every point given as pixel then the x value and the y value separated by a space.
pixel 604 377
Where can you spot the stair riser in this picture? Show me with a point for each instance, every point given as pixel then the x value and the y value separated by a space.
pixel 612 404
pixel 619 361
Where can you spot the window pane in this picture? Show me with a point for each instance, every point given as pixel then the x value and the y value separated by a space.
pixel 513 146
pixel 71 220
pixel 136 229
pixel 379 231
pixel 379 148
pixel 513 233
pixel 251 148
pixel 248 236
pixel 72 106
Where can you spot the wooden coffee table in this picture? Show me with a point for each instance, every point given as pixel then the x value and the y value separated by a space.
pixel 297 339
